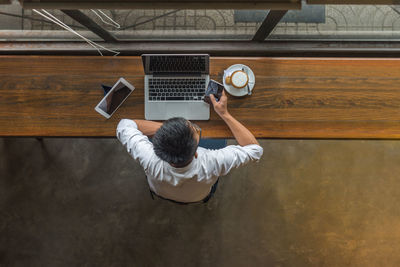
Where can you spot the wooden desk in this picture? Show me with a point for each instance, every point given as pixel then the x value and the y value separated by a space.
pixel 293 97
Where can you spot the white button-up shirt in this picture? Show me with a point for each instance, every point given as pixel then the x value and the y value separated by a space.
pixel 193 182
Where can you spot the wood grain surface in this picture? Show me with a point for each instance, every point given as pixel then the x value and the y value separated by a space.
pixel 293 97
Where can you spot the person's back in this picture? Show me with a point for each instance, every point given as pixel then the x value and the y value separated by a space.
pixel 176 168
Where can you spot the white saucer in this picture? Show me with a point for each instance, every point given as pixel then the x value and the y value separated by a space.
pixel 242 91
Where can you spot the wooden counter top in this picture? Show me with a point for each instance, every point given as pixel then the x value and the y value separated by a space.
pixel 292 98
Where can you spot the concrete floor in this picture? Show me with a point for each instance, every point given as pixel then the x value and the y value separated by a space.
pixel 84 202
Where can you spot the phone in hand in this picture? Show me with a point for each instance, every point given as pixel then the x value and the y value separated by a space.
pixel 214 88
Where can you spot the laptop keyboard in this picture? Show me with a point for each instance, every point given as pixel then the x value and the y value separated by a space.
pixel 183 89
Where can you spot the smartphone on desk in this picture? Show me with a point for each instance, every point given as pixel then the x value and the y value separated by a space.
pixel 114 98
pixel 214 88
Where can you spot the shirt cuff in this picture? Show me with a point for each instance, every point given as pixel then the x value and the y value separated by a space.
pixel 256 151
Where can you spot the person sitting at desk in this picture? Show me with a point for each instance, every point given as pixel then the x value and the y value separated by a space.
pixel 176 168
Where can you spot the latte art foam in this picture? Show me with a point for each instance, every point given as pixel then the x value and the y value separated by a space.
pixel 239 79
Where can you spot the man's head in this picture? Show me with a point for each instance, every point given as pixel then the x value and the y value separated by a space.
pixel 176 141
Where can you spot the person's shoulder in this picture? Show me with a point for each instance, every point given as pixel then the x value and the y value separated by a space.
pixel 233 147
pixel 255 151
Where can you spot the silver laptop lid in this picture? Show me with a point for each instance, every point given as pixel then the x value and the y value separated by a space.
pixel 184 64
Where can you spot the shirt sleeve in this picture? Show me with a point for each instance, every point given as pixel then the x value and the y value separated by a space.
pixel 225 159
pixel 136 143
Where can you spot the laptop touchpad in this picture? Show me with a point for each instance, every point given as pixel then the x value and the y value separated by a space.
pixel 178 110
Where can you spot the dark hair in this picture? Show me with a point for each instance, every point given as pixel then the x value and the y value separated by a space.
pixel 174 141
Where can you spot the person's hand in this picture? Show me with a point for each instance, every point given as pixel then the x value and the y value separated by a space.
pixel 221 107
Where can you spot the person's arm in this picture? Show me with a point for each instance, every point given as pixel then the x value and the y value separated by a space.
pixel 137 144
pixel 242 135
pixel 148 128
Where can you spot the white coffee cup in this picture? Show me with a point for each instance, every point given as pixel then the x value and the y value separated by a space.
pixel 237 79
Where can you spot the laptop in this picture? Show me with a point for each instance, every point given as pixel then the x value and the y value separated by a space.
pixel 174 86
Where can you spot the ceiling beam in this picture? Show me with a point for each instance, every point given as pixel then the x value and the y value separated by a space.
pixel 271 20
pixel 90 25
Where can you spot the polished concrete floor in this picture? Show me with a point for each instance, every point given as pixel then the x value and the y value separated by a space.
pixel 84 202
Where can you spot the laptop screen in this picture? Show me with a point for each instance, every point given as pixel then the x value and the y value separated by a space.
pixel 176 64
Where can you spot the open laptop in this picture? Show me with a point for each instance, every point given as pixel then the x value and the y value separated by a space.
pixel 174 86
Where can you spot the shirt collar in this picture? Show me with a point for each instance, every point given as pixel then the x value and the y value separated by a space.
pixel 183 169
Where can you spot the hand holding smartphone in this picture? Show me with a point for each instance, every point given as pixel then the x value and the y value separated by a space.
pixel 214 88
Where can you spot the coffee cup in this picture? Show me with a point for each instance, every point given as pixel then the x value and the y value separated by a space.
pixel 237 79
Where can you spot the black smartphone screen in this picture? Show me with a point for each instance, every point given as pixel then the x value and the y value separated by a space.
pixel 214 88
pixel 114 99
